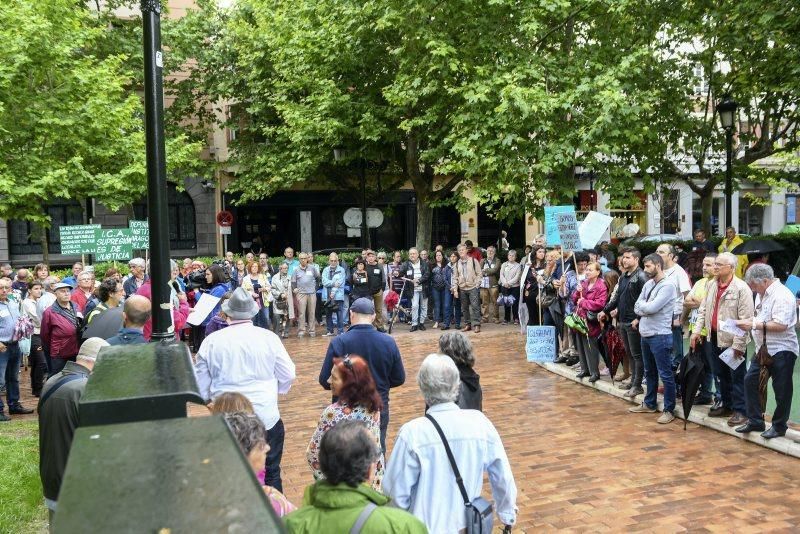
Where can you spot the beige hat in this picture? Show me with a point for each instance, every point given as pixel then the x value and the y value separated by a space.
pixel 91 347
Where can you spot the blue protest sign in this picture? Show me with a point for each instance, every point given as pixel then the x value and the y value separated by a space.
pixel 550 224
pixel 540 346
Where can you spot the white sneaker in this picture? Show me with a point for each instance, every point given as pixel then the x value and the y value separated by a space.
pixel 328 334
pixel 301 334
pixel 312 334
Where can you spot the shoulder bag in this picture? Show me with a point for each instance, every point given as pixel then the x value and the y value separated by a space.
pixel 479 511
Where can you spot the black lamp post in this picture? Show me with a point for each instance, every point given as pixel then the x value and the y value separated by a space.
pixel 591 190
pixel 338 156
pixel 156 170
pixel 727 114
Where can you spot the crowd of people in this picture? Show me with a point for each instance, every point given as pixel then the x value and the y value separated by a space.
pixel 604 307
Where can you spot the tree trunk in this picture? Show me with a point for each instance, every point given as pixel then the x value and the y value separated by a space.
pixel 45 247
pixel 424 223
pixel 706 204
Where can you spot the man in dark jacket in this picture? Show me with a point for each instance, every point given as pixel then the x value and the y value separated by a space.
pixel 134 316
pixel 376 281
pixel 419 291
pixel 378 349
pixel 58 418
pixel 620 305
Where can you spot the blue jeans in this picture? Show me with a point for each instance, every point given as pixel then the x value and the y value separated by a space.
pixel 451 307
pixel 781 372
pixel 262 318
pixel 439 297
pixel 9 373
pixel 677 346
pixel 731 383
pixel 339 317
pixel 657 357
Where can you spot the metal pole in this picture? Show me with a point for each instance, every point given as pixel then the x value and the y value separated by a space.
pixel 364 229
pixel 729 178
pixel 156 170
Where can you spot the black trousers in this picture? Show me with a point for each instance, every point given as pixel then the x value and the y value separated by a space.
pixel 275 438
pixel 38 364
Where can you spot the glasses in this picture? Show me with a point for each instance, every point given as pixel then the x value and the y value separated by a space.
pixel 722 264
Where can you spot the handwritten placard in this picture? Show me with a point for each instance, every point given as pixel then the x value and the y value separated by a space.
pixel 113 244
pixel 550 225
pixel 78 239
pixel 540 345
pixel 140 234
pixel 568 233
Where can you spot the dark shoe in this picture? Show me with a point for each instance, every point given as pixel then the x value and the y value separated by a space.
pixel 703 401
pixel 421 326
pixel 594 378
pixel 18 409
pixel 446 327
pixel 4 418
pixel 561 359
pixel 571 361
pixel 717 404
pixel 582 375
pixel 414 328
pixel 749 427
pixel 476 329
pixel 466 328
pixel 720 412
pixel 737 419
pixel 772 433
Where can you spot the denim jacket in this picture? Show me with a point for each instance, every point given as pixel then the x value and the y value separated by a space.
pixel 333 282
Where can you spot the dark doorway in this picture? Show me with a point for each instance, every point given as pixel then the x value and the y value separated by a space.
pixel 278 228
pixel 489 230
pixel 446 227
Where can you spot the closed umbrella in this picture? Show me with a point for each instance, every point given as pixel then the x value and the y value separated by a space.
pixel 758 246
pixel 106 325
pixel 691 372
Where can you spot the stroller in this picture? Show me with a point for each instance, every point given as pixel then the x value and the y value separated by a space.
pixel 394 304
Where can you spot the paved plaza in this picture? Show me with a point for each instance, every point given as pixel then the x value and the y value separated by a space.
pixel 581 461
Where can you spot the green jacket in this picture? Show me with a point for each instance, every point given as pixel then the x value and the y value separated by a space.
pixel 328 508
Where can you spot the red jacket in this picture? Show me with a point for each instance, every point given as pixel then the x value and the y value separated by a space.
pixel 593 300
pixel 59 334
pixel 80 299
pixel 179 316
pixel 476 253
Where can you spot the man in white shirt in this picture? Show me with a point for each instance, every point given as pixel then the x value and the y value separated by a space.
pixel 675 274
pixel 419 477
pixel 252 361
pixel 776 312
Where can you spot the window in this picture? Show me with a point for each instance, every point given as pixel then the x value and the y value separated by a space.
pixel 26 236
pixel 180 216
pixel 700 86
pixel 751 217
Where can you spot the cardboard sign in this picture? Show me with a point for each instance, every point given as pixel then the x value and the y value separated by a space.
pixel 140 234
pixel 593 228
pixel 113 244
pixel 540 345
pixel 78 239
pixel 550 227
pixel 568 233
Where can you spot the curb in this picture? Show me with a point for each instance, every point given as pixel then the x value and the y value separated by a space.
pixel 789 444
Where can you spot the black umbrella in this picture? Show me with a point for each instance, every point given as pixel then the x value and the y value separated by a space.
pixel 757 246
pixel 690 372
pixel 105 325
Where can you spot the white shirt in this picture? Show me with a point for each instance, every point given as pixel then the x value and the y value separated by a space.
pixel 678 276
pixel 247 359
pixel 45 301
pixel 419 478
pixel 780 306
pixel 417 274
pixel 29 307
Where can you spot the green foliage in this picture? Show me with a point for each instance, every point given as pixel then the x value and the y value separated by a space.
pixel 23 507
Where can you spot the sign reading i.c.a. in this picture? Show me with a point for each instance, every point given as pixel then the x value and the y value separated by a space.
pixel 113 244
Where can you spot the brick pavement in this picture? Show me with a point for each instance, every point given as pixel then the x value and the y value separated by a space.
pixel 581 462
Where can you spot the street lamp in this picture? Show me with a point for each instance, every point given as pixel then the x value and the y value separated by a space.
pixel 339 155
pixel 727 114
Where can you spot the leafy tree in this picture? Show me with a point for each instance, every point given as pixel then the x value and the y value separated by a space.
pixel 70 125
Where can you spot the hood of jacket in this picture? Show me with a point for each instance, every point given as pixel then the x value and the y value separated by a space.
pixel 469 377
pixel 323 494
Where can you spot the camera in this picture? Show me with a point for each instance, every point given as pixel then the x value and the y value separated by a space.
pixel 196 280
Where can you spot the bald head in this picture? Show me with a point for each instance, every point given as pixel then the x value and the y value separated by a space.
pixel 136 311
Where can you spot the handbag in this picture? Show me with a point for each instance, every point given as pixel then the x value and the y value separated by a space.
pixel 23 328
pixel 576 322
pixel 764 359
pixel 479 511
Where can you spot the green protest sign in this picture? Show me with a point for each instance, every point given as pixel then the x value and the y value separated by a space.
pixel 78 239
pixel 113 244
pixel 140 234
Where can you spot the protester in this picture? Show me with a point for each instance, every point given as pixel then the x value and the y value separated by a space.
pixel 289 259
pixel 700 242
pixel 256 282
pixel 727 297
pixel 304 284
pixel 509 282
pixel 675 274
pixel 281 287
pixel 250 435
pixel 333 282
pixel 20 283
pixel 84 292
pixel 41 272
pixel 621 307
pixel 238 272
pixel 775 320
pixel 72 280
pixel 452 302
pixel 466 281
pixel 730 242
pixel 359 280
pixel 490 269
pixel 254 362
pixel 10 354
pixel 137 277
pixel 343 501
pixel 217 286
pixel 419 272
pixel 655 309
pixel 589 299
pixel 109 294
pixel 439 287
pixel 220 320
pixel 357 399
pixel 535 264
pixel 691 304
pixel 135 313
pixel 58 418
pixel 458 347
pixel 502 243
pixel 378 349
pixel 419 473
pixel 59 330
pixel 36 358
pixel 473 251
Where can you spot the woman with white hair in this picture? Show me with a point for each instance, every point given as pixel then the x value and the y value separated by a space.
pixel 419 473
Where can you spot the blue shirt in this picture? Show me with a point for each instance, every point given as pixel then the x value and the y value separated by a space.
pixel 9 312
pixel 378 349
pixel 294 264
pixel 329 280
pixel 217 291
pixel 71 281
pixel 128 336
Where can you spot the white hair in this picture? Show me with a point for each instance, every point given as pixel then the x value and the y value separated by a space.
pixel 438 379
pixel 728 258
pixel 759 272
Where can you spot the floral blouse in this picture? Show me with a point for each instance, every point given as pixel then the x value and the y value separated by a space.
pixel 333 414
pixel 279 502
